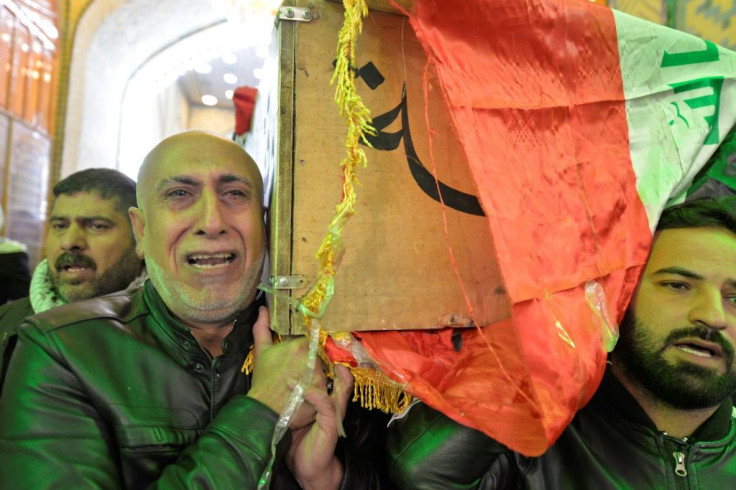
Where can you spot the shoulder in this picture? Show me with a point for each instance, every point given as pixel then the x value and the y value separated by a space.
pixel 8 246
pixel 120 307
pixel 13 313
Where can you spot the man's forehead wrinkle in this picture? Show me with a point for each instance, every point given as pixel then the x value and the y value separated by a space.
pixel 177 179
pixel 203 150
pixel 244 179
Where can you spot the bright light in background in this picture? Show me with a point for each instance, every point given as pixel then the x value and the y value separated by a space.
pixel 250 23
pixel 229 94
pixel 258 73
pixel 250 14
pixel 157 76
pixel 209 100
pixel 229 58
pixel 203 68
pixel 261 50
pixel 230 78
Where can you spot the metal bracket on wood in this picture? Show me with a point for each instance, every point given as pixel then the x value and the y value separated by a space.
pixel 296 14
pixel 288 282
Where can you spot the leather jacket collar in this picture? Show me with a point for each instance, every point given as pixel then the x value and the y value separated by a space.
pixel 613 394
pixel 178 340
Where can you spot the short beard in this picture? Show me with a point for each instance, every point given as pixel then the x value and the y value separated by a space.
pixel 116 278
pixel 198 306
pixel 682 385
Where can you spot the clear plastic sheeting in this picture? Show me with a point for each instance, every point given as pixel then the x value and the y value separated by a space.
pixel 294 403
pixel 595 296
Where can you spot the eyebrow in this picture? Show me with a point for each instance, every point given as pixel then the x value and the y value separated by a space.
pixel 686 273
pixel 227 178
pixel 94 217
pixel 678 271
pixel 179 179
pixel 184 179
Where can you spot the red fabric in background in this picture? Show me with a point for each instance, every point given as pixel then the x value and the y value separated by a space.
pixel 535 91
pixel 244 101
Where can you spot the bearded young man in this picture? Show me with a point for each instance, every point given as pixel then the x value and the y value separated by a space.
pixel 662 417
pixel 90 247
pixel 146 388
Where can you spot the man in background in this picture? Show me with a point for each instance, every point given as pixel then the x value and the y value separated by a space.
pixel 155 387
pixel 662 416
pixel 15 277
pixel 90 247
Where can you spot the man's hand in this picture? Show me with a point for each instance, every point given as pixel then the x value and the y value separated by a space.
pixel 276 371
pixel 277 368
pixel 311 457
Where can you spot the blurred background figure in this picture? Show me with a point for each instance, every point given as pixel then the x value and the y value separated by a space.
pixel 15 276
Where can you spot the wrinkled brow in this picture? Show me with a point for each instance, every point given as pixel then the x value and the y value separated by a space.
pixel 226 179
pixel 178 179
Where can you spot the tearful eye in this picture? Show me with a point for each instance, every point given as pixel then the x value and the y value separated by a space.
pixel 237 194
pixel 177 193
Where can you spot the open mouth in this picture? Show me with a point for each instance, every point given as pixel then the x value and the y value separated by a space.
pixel 73 263
pixel 210 261
pixel 701 350
pixel 75 268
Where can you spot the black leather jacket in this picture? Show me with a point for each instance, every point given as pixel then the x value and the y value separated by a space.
pixel 116 393
pixel 11 316
pixel 610 444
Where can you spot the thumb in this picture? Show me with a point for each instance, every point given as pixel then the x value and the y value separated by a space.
pixel 343 389
pixel 261 331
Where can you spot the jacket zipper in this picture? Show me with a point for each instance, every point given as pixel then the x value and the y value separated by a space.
pixel 680 469
pixel 680 446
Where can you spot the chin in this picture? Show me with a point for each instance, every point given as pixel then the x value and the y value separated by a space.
pixel 76 294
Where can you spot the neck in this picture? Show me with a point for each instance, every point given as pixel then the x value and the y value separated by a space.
pixel 211 336
pixel 676 422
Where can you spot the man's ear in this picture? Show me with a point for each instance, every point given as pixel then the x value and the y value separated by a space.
pixel 138 221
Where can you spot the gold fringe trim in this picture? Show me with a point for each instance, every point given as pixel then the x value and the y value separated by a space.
pixel 371 388
pixel 375 391
pixel 247 366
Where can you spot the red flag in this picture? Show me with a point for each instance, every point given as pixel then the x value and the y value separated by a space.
pixel 568 114
pixel 244 100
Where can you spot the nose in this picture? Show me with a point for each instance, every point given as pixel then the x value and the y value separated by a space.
pixel 708 309
pixel 74 238
pixel 210 217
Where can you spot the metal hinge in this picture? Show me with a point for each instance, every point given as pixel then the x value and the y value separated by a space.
pixel 288 282
pixel 297 14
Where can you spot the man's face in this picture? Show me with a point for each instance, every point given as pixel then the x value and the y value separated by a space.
pixel 200 226
pixel 677 340
pixel 89 247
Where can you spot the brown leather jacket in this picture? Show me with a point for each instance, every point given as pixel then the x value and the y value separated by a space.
pixel 115 393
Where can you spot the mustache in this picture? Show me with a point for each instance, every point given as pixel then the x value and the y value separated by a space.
pixel 73 259
pixel 703 333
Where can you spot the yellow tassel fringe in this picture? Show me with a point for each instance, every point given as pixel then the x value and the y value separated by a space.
pixel 375 391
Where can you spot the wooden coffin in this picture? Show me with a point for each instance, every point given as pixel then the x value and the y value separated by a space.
pixel 397 271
